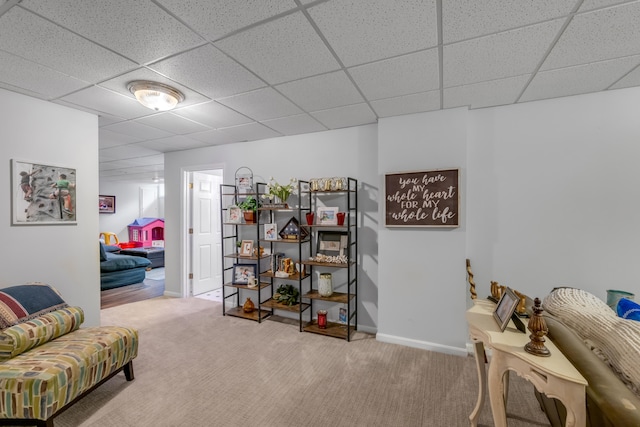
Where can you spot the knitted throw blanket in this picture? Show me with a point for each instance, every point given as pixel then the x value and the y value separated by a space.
pixel 615 340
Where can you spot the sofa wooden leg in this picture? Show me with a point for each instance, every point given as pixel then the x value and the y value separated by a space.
pixel 128 371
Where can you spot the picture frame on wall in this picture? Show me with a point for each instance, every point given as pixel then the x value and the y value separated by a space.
pixel 107 204
pixel 42 194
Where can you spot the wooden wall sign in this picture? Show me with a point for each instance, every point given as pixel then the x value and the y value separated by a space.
pixel 422 199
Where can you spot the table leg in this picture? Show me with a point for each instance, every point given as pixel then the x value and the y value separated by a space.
pixel 574 400
pixel 497 376
pixel 478 347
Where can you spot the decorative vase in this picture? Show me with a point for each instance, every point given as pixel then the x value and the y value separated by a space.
pixel 310 216
pixel 248 306
pixel 325 285
pixel 340 216
pixel 249 217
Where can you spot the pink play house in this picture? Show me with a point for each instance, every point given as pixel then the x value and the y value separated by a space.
pixel 147 232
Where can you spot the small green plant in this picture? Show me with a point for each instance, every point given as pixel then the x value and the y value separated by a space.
pixel 287 294
pixel 249 204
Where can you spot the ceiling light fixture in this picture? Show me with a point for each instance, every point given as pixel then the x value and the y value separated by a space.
pixel 157 96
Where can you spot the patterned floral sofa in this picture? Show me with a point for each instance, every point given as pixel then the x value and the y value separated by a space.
pixel 47 362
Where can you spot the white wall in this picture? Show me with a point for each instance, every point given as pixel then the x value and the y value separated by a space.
pixel 346 152
pixel 421 270
pixel 128 205
pixel 65 256
pixel 554 194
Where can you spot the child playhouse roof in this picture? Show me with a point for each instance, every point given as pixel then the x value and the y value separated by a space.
pixel 143 222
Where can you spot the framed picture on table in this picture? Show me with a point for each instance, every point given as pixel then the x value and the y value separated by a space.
pixel 246 248
pixel 505 308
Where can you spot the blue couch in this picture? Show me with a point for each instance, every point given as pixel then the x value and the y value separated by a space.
pixel 120 270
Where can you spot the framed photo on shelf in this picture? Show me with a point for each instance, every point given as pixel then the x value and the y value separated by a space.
pixel 234 214
pixel 292 230
pixel 332 243
pixel 270 231
pixel 242 272
pixel 107 204
pixel 246 248
pixel 327 215
pixel 505 308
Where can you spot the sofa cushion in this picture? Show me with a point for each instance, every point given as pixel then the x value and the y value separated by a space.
pixel 116 262
pixel 32 333
pixel 23 302
pixel 616 341
pixel 103 252
pixel 628 309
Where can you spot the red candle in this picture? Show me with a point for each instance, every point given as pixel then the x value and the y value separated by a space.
pixel 322 319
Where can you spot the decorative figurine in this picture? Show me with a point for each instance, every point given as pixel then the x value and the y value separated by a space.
pixel 538 328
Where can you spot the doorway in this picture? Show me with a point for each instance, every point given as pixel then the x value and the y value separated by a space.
pixel 203 234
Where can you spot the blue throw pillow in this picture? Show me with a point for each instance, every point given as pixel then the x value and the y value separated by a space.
pixel 628 309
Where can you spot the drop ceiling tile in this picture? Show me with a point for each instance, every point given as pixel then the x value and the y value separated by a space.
pixel 34 77
pixel 210 71
pixel 213 137
pixel 631 79
pixel 597 4
pixel 136 130
pixel 120 84
pixel 215 19
pixel 106 120
pixel 465 19
pixel 596 36
pixel 31 37
pixel 506 54
pixel 579 79
pixel 103 100
pixel 486 94
pixel 261 104
pixel 152 161
pixel 139 30
pixel 342 117
pixel 322 92
pixel 127 152
pixel 212 114
pixel 249 132
pixel 295 125
pixel 23 91
pixel 368 30
pixel 109 138
pixel 172 123
pixel 407 104
pixel 114 164
pixel 403 75
pixel 281 50
pixel 172 143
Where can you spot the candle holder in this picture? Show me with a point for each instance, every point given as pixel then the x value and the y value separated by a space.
pixel 322 319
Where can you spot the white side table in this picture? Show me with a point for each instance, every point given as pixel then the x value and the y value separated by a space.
pixel 554 376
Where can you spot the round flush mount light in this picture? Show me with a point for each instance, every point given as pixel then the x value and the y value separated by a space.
pixel 157 96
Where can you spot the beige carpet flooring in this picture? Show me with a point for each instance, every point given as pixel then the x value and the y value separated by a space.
pixel 196 367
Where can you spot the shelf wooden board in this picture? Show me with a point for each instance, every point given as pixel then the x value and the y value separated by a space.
pixel 294 276
pixel 238 312
pixel 235 285
pixel 337 330
pixel 327 264
pixel 340 297
pixel 270 303
pixel 239 223
pixel 283 241
pixel 246 258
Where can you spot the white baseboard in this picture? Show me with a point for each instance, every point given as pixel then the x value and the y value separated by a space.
pixel 172 294
pixel 424 345
pixel 367 329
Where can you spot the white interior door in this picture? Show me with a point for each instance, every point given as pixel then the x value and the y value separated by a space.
pixel 206 237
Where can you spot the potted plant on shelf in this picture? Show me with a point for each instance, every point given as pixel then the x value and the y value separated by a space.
pixel 249 207
pixel 279 193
